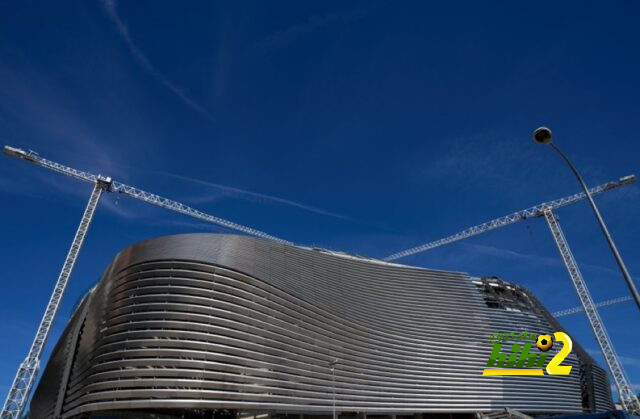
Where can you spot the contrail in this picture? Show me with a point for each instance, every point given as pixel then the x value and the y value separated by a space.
pixel 242 192
pixel 144 62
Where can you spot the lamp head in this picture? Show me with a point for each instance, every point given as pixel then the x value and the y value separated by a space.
pixel 542 135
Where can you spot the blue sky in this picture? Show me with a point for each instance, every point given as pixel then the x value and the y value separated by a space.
pixel 367 127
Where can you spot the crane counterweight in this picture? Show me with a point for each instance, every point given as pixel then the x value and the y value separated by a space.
pixel 15 152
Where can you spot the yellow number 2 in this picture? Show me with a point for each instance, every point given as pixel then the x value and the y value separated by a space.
pixel 554 366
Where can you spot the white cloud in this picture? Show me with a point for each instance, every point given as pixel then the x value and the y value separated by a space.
pixel 144 62
pixel 629 361
pixel 253 196
pixel 283 38
pixel 537 259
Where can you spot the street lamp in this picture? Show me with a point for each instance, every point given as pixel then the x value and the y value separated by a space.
pixel 333 364
pixel 543 135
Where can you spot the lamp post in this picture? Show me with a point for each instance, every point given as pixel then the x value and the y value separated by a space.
pixel 543 135
pixel 333 364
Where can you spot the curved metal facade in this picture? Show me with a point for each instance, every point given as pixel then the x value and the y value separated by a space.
pixel 207 321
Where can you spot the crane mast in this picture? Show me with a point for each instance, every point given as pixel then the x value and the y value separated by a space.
pixel 28 370
pixel 628 398
pixel 625 390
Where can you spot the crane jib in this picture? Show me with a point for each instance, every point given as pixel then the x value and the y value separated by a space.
pixel 535 211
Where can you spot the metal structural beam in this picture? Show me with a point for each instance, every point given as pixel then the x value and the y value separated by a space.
pixel 625 390
pixel 28 370
pixel 535 211
pixel 628 398
pixel 136 193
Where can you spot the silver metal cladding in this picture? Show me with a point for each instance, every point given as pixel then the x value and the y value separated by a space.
pixel 208 321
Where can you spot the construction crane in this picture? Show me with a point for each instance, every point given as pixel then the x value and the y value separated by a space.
pixel 28 370
pixel 24 380
pixel 535 211
pixel 574 310
pixel 627 397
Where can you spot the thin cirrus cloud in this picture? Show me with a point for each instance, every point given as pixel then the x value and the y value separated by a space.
pixel 283 38
pixel 31 187
pixel 46 185
pixel 532 258
pixel 42 185
pixel 143 61
pixel 254 196
pixel 627 361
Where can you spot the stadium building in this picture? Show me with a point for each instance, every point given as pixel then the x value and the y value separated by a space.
pixel 209 325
